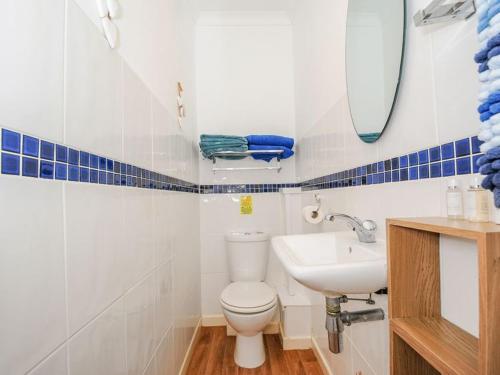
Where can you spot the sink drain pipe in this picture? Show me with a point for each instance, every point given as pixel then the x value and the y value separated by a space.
pixel 336 319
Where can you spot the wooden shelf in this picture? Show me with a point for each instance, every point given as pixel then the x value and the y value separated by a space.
pixel 422 342
pixel 446 347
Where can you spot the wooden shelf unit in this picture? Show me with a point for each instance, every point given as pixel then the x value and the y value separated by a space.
pixel 422 341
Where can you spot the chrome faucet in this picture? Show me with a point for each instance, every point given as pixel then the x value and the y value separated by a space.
pixel 365 229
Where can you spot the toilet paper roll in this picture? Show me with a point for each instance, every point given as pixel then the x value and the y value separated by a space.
pixel 312 214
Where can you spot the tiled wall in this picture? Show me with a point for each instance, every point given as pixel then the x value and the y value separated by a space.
pixel 96 225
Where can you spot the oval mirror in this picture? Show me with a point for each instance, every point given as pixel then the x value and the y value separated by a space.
pixel 375 39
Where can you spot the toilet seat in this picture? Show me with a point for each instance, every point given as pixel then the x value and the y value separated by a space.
pixel 248 297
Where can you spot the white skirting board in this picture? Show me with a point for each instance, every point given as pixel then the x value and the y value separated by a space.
pixel 319 356
pixel 190 351
pixel 293 343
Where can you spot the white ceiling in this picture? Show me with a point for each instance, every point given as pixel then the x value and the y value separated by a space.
pixel 245 5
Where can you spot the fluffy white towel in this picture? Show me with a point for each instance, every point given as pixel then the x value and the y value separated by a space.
pixel 494 85
pixel 485 86
pixel 485 34
pixel 485 76
pixel 483 128
pixel 482 9
pixel 485 135
pixel 492 30
pixel 494 62
pixel 495 119
pixel 495 129
pixel 485 147
pixel 493 74
pixel 483 96
pixel 495 20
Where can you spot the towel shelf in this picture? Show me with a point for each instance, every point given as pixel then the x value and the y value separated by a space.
pixel 245 154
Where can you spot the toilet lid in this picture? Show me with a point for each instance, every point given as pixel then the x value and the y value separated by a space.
pixel 248 295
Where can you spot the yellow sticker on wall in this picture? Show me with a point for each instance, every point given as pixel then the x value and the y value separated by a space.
pixel 246 205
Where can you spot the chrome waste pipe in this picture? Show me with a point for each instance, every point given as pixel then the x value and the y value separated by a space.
pixel 336 319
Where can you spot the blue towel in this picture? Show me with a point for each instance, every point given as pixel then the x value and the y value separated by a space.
pixel 495 51
pixel 494 153
pixel 481 56
pixel 486 169
pixel 487 182
pixel 496 179
pixel 483 67
pixel 485 116
pixel 482 160
pixel 485 107
pixel 483 24
pixel 268 157
pixel 493 42
pixel 270 140
pixel 210 144
pixel 494 97
pixel 496 196
pixel 496 165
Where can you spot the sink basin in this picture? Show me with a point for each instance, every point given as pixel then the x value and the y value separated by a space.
pixel 334 263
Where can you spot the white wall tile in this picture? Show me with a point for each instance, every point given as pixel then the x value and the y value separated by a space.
pixel 140 310
pixel 164 358
pixel 33 317
pixel 212 285
pixel 95 243
pixel 100 348
pixel 94 97
pixel 137 130
pixel 55 364
pixel 163 301
pixel 32 68
pixel 139 249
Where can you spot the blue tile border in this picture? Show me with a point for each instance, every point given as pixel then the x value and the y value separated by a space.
pixel 27 156
pixel 449 159
pixel 52 161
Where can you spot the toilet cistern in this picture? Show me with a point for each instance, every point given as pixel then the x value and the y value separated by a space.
pixel 365 229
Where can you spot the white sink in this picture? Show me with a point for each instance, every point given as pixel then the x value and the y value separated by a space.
pixel 333 263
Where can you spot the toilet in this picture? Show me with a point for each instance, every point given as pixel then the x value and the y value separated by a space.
pixel 248 303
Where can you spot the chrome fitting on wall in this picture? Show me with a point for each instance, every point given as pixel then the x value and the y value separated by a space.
pixel 336 319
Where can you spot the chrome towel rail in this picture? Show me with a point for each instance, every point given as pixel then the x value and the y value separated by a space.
pixel 276 167
pixel 443 11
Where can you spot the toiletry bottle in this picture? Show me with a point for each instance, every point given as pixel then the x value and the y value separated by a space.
pixel 477 203
pixel 454 201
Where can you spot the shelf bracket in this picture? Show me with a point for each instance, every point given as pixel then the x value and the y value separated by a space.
pixel 442 11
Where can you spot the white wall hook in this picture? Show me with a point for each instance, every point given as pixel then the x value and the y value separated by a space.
pixel 113 8
pixel 110 31
pixel 102 8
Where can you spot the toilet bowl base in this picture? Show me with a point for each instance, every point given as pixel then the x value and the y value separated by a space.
pixel 249 351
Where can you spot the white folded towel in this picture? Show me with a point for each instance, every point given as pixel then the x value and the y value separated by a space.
pixel 484 35
pixel 493 74
pixel 485 135
pixel 495 20
pixel 494 62
pixel 485 147
pixel 485 126
pixel 483 96
pixel 495 119
pixel 492 30
pixel 482 10
pixel 494 85
pixel 485 76
pixel 495 129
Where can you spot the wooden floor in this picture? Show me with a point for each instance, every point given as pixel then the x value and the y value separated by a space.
pixel 213 355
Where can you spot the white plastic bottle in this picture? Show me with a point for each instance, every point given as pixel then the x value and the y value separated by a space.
pixel 454 202
pixel 477 205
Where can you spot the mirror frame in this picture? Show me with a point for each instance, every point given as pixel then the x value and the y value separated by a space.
pixel 400 75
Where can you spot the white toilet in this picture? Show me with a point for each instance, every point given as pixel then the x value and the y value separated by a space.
pixel 248 302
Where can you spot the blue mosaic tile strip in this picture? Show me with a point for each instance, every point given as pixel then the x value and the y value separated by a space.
pixel 27 156
pixel 449 159
pixel 244 188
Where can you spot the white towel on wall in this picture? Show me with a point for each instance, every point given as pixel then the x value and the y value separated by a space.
pixel 485 135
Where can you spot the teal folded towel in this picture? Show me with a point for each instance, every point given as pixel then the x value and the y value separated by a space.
pixel 210 144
